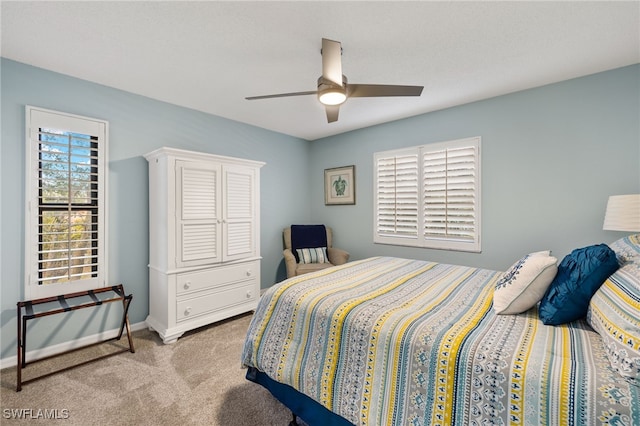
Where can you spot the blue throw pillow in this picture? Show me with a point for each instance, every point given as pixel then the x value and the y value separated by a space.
pixel 580 275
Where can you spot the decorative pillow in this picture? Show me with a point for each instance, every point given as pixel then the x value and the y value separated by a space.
pixel 614 313
pixel 627 249
pixel 524 283
pixel 580 274
pixel 313 255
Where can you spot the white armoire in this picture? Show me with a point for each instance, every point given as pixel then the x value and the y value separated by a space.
pixel 204 246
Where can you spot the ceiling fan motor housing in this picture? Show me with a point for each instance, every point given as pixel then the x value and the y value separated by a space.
pixel 330 93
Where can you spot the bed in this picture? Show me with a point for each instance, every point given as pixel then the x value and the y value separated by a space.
pixel 391 341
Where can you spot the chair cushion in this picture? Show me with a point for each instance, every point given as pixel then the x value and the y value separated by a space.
pixel 305 268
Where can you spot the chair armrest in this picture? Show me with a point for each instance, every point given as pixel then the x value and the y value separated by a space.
pixel 290 262
pixel 337 256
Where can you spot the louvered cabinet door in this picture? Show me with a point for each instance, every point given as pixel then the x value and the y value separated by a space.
pixel 239 218
pixel 198 213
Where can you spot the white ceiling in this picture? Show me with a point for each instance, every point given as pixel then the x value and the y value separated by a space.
pixel 210 55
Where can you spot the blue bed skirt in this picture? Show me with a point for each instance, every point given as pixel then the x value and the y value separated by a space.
pixel 301 405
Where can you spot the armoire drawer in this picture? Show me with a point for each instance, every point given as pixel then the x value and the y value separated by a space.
pixel 233 294
pixel 220 276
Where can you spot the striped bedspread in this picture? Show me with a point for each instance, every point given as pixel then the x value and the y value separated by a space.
pixel 389 341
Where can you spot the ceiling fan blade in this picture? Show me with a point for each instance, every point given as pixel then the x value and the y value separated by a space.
pixel 332 61
pixel 332 113
pixel 281 95
pixel 376 90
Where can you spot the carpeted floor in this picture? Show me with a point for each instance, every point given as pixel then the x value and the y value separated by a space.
pixel 196 381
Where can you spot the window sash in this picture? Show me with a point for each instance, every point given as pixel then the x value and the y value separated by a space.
pixel 66 185
pixel 433 188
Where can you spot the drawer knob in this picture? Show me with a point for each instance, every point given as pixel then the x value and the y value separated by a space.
pixel 249 294
pixel 187 285
pixel 187 311
pixel 249 273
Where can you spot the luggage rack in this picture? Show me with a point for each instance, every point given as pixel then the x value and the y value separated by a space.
pixel 62 302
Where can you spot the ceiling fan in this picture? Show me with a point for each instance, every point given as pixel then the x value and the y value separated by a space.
pixel 333 88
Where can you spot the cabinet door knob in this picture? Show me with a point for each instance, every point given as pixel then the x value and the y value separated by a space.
pixel 187 311
pixel 187 284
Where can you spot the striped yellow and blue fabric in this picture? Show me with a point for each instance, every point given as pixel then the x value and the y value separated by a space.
pixel 389 341
pixel 614 311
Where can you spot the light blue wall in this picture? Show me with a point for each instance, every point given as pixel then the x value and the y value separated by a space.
pixel 137 125
pixel 551 156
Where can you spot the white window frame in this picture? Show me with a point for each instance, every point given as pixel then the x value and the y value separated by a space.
pixel 413 190
pixel 36 119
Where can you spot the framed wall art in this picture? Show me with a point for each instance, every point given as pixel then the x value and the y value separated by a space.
pixel 340 186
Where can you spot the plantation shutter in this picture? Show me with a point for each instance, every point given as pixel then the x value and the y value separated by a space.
pixel 449 182
pixel 65 249
pixel 429 196
pixel 397 196
pixel 68 206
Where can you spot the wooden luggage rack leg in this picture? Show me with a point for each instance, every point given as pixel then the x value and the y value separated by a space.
pixel 28 307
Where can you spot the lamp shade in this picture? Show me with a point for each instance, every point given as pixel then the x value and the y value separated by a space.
pixel 623 213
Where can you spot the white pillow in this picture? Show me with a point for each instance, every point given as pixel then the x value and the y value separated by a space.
pixel 524 284
pixel 313 255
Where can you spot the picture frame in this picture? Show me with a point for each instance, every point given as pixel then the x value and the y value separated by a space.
pixel 340 186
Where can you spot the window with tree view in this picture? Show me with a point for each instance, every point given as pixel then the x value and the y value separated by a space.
pixel 68 203
pixel 66 250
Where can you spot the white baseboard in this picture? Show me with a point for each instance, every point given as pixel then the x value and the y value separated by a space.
pixel 35 354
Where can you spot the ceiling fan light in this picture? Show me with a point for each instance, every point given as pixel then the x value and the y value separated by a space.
pixel 332 97
pixel 330 93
